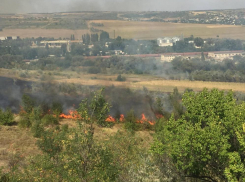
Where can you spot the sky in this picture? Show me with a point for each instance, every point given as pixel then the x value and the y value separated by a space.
pixel 49 6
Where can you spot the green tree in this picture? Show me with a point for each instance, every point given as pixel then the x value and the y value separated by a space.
pixel 198 42
pixel 104 36
pixel 94 37
pixel 95 111
pixel 6 117
pixel 121 78
pixel 27 103
pixel 201 142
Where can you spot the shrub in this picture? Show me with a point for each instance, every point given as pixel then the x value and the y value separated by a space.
pixel 121 78
pixel 130 122
pixel 57 107
pixel 27 103
pixel 50 120
pixel 23 75
pixel 25 121
pixel 37 129
pixel 6 118
pixel 94 70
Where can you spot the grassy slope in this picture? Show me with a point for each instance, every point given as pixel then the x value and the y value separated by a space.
pixel 152 83
pixel 16 140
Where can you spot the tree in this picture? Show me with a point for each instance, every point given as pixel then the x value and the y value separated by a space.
pixel 201 142
pixel 95 111
pixel 121 78
pixel 27 103
pixel 94 37
pixel 104 36
pixel 86 39
pixel 198 42
pixel 203 57
pixel 63 49
pixel 6 117
pixel 72 37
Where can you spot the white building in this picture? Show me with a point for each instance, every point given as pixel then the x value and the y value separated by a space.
pixel 167 41
pixel 218 55
pixel 3 38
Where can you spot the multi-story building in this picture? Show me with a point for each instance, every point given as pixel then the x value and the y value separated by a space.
pixel 167 41
pixel 218 55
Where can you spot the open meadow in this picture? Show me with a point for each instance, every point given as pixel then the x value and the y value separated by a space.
pixel 153 30
pixel 135 82
pixel 134 30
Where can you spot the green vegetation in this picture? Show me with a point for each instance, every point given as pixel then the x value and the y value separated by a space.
pixel 203 140
pixel 67 23
pixel 207 140
pixel 121 78
pixel 6 117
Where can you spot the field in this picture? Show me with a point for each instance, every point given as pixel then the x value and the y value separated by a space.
pixel 135 82
pixel 56 33
pixel 153 30
pixel 136 30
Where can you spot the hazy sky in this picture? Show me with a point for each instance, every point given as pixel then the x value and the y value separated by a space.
pixel 43 6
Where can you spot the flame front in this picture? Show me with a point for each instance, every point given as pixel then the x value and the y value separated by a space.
pixel 75 115
pixel 110 119
pixel 121 118
pixel 144 120
pixel 71 115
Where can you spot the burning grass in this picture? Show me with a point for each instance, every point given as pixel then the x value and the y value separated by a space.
pixel 72 114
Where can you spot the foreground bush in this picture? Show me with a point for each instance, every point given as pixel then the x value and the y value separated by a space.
pixel 207 142
pixel 6 117
pixel 50 120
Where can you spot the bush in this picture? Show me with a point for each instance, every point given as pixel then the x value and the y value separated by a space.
pixel 121 78
pixel 130 122
pixel 50 120
pixel 37 129
pixel 94 70
pixel 23 75
pixel 57 108
pixel 27 103
pixel 6 118
pixel 25 121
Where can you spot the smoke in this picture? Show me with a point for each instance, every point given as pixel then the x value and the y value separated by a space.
pixel 49 6
pixel 122 100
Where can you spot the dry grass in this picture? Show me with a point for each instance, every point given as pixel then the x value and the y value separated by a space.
pixel 152 83
pixel 153 30
pixel 15 140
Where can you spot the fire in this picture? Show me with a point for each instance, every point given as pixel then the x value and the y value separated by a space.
pixel 159 116
pixel 110 119
pixel 71 115
pixel 74 115
pixel 121 118
pixel 144 120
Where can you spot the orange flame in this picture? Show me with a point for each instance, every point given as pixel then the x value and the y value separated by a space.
pixel 75 115
pixel 159 116
pixel 71 115
pixel 121 118
pixel 144 120
pixel 110 119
